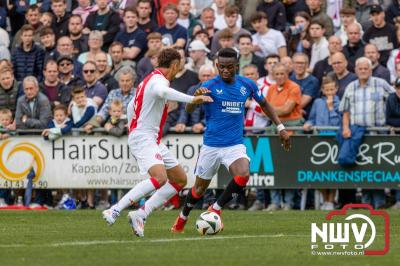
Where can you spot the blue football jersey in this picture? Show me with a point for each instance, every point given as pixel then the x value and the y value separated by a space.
pixel 225 116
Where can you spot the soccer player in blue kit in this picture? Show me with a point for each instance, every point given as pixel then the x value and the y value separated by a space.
pixel 223 138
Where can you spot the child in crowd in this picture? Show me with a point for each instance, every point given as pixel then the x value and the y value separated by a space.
pixel 325 112
pixel 6 119
pixel 60 125
pixel 116 124
pixel 46 19
pixel 82 108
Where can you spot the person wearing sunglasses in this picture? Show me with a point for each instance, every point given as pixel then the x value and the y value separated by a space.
pixel 94 89
pixel 66 72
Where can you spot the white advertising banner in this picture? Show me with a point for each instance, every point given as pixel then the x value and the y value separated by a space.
pixel 84 161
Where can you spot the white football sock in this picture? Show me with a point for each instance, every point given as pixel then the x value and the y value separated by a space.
pixel 140 191
pixel 216 207
pixel 157 199
pixel 183 216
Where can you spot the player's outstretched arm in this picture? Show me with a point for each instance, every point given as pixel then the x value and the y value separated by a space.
pixel 191 106
pixel 173 95
pixel 270 112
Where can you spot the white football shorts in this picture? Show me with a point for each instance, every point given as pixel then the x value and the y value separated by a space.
pixel 148 153
pixel 211 158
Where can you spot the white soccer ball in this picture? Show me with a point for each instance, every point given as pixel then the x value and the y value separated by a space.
pixel 208 223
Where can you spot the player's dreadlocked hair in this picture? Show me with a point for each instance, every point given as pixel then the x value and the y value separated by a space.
pixel 167 56
pixel 228 52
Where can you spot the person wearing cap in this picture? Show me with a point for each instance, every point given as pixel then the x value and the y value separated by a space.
pixel 198 56
pixel 382 34
pixel 393 120
pixel 65 65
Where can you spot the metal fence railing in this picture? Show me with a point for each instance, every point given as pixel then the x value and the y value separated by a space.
pixel 249 130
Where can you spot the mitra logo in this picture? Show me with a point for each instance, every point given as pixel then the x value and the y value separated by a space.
pixel 351 234
pixel 260 155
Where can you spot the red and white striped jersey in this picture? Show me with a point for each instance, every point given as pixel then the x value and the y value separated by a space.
pixel 147 111
pixel 254 116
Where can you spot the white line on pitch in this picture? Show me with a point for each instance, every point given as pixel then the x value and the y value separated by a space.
pixel 161 240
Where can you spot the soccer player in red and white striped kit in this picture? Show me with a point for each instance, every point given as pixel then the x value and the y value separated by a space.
pixel 147 113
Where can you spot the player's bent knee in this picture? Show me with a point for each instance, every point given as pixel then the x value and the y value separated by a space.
pixel 241 180
pixel 161 179
pixel 200 190
pixel 181 182
pixel 244 173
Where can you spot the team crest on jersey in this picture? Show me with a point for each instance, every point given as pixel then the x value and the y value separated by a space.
pixel 243 90
pixel 219 91
pixel 158 156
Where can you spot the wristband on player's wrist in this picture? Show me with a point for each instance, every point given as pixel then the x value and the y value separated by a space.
pixel 280 127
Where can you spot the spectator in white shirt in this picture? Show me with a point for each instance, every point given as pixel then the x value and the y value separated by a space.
pixel 266 41
pixel 319 49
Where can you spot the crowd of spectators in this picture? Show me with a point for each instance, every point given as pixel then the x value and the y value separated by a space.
pixel 68 64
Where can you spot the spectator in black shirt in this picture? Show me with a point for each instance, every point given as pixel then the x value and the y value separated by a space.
pixel 275 12
pixel 354 48
pixel 393 107
pixel 60 20
pixel 379 71
pixel 104 20
pixel 144 11
pixel 293 7
pixel 79 39
pixel 382 34
pixel 323 67
pixel 48 42
pixel 103 74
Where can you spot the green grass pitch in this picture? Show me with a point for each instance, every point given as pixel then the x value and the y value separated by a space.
pixel 82 238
